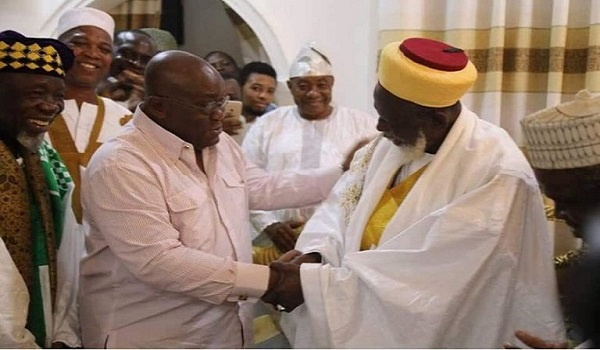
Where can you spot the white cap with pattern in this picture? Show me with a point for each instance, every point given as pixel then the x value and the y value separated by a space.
pixel 566 136
pixel 310 62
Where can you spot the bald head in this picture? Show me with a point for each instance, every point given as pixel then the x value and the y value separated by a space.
pixel 172 73
pixel 185 95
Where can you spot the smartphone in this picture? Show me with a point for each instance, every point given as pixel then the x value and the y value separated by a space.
pixel 233 108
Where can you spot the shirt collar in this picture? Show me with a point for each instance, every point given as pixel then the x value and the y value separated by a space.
pixel 169 142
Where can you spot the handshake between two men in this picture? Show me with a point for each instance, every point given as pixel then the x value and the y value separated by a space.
pixel 285 288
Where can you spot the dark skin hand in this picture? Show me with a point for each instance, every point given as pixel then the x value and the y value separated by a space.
pixel 296 257
pixel 309 258
pixel 126 86
pixel 289 256
pixel 283 235
pixel 534 342
pixel 288 290
pixel 285 287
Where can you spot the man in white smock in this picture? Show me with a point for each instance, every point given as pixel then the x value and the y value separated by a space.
pixel 88 120
pixel 313 133
pixel 435 238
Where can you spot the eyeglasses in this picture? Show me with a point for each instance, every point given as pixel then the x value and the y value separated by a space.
pixel 206 109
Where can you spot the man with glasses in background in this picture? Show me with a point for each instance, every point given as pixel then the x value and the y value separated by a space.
pixel 169 252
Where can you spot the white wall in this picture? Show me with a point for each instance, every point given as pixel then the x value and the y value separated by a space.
pixel 40 17
pixel 32 17
pixel 207 28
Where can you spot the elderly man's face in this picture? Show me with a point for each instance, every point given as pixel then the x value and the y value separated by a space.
pixel 402 122
pixel 93 51
pixel 28 103
pixel 312 95
pixel 576 193
pixel 195 112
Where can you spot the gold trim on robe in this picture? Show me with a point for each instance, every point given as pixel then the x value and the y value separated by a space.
pixel 63 142
pixel 390 201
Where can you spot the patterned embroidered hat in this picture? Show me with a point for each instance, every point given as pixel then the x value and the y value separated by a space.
pixel 20 54
pixel 565 136
pixel 427 72
pixel 310 62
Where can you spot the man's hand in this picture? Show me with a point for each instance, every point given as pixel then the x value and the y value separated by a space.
pixel 232 124
pixel 132 79
pixel 126 86
pixel 287 292
pixel 289 256
pixel 309 258
pixel 346 164
pixel 283 235
pixel 534 342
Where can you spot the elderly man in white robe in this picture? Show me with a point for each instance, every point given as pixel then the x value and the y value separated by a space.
pixel 436 237
pixel 312 133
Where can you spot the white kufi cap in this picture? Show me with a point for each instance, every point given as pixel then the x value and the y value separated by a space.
pixel 310 62
pixel 566 136
pixel 85 16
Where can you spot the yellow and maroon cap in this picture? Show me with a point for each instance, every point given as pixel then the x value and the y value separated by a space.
pixel 427 72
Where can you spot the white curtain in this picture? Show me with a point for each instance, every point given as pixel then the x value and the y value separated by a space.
pixel 530 54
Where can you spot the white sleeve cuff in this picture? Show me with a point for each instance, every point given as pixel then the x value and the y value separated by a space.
pixel 251 282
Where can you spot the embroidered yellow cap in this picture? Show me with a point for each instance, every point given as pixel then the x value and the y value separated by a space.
pixel 20 54
pixel 425 71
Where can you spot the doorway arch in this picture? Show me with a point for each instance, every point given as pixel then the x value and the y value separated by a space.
pixel 263 32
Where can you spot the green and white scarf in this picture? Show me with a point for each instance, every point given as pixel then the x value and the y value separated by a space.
pixel 33 198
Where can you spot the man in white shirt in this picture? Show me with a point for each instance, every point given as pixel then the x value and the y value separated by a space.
pixel 166 205
pixel 313 133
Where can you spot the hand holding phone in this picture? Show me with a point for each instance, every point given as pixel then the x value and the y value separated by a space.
pixel 232 122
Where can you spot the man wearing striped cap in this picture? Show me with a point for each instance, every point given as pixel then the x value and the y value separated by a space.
pixel 38 284
pixel 435 238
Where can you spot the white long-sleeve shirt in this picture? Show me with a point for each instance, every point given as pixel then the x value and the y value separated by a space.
pixel 168 246
pixel 283 140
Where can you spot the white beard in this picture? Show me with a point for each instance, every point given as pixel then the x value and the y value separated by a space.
pixel 416 151
pixel 31 143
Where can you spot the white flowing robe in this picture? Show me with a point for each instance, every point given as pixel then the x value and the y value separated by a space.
pixel 465 261
pixel 283 140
